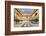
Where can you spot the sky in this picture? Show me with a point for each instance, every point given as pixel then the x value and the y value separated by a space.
pixel 27 10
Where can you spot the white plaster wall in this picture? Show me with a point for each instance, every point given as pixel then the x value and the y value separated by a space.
pixel 2 18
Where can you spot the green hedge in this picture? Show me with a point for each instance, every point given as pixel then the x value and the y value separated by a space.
pixel 17 20
pixel 34 20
